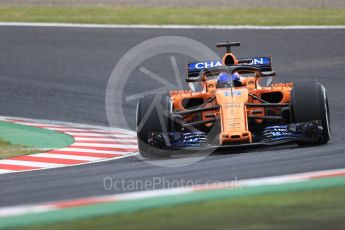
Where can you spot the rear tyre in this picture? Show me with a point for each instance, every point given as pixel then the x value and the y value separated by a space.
pixel 309 103
pixel 151 117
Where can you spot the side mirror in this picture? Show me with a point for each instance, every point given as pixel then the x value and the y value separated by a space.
pixel 268 74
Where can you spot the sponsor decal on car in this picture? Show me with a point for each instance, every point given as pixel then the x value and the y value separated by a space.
pixel 203 65
pixel 234 93
pixel 261 61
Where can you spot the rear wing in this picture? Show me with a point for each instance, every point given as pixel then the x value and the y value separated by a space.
pixel 263 63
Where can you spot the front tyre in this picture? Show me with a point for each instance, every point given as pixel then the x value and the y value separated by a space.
pixel 309 102
pixel 152 116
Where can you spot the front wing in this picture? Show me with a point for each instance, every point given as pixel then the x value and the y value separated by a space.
pixel 307 132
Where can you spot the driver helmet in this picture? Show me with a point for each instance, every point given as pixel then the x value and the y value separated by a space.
pixel 224 80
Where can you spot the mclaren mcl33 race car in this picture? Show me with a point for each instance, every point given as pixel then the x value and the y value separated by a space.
pixel 232 109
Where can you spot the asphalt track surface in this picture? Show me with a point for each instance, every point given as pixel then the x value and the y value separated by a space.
pixel 62 73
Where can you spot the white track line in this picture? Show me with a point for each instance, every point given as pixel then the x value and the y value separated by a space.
pixel 104 145
pixel 35 124
pixel 218 27
pixel 31 163
pixel 6 171
pixel 88 134
pixel 68 157
pixel 90 151
pixel 67 129
pixel 105 139
pixel 13 211
pixel 74 129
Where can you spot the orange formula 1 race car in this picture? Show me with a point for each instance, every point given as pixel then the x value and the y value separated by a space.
pixel 232 110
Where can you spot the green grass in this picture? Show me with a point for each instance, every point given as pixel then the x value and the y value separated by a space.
pixel 170 15
pixel 11 150
pixel 33 137
pixel 313 209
